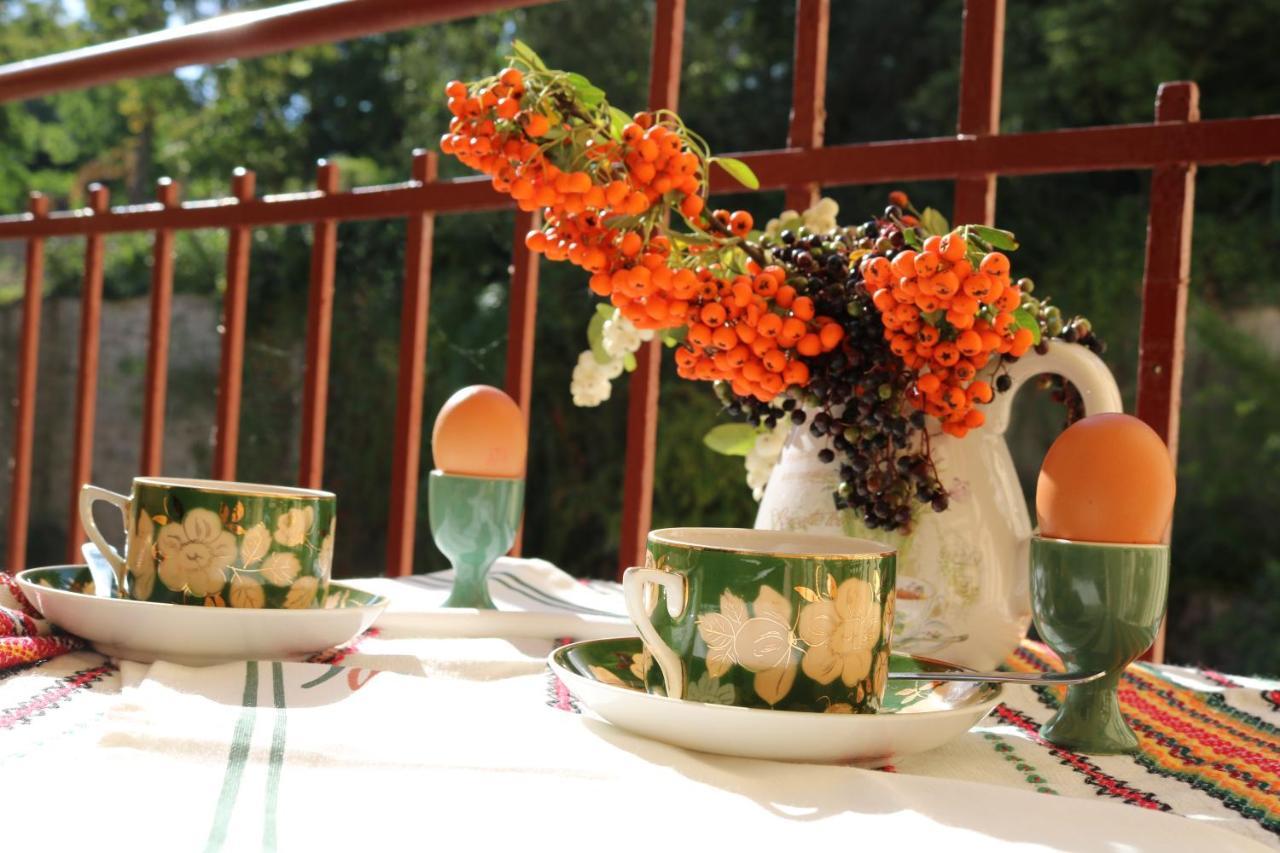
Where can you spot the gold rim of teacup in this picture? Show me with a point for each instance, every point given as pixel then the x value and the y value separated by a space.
pixel 667 536
pixel 228 487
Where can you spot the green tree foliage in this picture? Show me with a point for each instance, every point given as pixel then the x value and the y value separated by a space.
pixel 893 73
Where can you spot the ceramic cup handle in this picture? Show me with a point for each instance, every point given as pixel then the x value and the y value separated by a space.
pixel 634 582
pixel 90 495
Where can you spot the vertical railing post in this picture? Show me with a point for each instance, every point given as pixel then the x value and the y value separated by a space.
pixel 981 75
pixel 153 401
pixel 642 401
pixel 25 416
pixel 809 90
pixel 315 390
pixel 401 523
pixel 521 323
pixel 234 301
pixel 87 379
pixel 1165 281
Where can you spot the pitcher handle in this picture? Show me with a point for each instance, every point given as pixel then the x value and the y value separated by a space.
pixel 634 582
pixel 1074 362
pixel 89 495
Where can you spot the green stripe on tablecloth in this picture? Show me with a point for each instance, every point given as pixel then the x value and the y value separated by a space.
pixel 236 759
pixel 276 762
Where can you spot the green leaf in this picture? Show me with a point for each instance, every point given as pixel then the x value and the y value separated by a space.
pixel 674 337
pixel 1024 319
pixel 739 171
pixel 590 94
pixel 995 237
pixel 595 333
pixel 629 362
pixel 617 121
pixel 934 222
pixel 912 238
pixel 527 55
pixel 731 439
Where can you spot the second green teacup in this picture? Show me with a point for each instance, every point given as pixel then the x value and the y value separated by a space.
pixel 216 543
pixel 764 619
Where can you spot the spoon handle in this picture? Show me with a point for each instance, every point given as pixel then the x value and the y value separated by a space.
pixel 1011 677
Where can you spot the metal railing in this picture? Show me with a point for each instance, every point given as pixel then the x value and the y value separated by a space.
pixel 1171 147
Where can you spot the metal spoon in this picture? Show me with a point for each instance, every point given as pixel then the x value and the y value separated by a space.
pixel 1012 677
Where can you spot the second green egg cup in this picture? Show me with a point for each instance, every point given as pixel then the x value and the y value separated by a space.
pixel 1099 606
pixel 474 521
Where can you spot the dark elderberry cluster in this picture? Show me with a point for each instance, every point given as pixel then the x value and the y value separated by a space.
pixel 856 396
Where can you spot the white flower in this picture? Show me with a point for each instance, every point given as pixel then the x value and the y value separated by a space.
pixel 292 527
pixel 590 385
pixel 195 553
pixel 841 633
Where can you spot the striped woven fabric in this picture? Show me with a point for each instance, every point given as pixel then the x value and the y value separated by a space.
pixel 24 637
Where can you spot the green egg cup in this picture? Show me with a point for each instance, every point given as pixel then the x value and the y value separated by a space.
pixel 474 522
pixel 1099 606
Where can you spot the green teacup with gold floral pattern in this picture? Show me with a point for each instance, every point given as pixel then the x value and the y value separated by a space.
pixel 764 618
pixel 219 544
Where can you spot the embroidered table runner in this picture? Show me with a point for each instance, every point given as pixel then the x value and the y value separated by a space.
pixel 358 747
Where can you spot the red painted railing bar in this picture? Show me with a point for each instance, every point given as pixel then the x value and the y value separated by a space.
pixel 1221 142
pixel 1165 280
pixel 87 378
pixel 234 300
pixel 154 393
pixel 233 36
pixel 25 416
pixel 981 70
pixel 809 90
pixel 315 389
pixel 402 522
pixel 521 324
pixel 642 397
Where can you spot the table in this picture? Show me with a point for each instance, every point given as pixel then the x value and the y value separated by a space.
pixel 406 740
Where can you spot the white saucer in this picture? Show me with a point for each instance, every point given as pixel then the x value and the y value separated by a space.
pixel 916 717
pixel 146 631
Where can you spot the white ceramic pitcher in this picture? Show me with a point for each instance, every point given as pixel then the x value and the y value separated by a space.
pixel 962 574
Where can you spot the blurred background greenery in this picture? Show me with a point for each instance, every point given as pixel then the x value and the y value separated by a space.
pixel 893 73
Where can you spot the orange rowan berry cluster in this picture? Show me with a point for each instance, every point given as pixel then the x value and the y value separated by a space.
pixel 945 316
pixel 751 331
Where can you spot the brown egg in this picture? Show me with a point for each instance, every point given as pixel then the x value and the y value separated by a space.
pixel 1108 478
pixel 480 432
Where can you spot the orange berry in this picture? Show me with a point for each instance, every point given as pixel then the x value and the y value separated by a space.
pixel 974 419
pixel 713 314
pixel 507 108
pixel 831 334
pixel 952 247
pixel 981 391
pixel 740 223
pixel 928 383
pixel 753 371
pixel 904 264
pixel 1021 342
pixel 945 284
pixel 900 345
pixel 785 297
pixel 792 331
pixel 775 361
pixel 928 335
pixel 964 370
pixel 809 345
pixel 995 264
pixel 877 271
pixel 959 319
pixel 933 243
pixel 977 285
pixel 766 284
pixel 883 300
pixel 899 198
pixel 946 354
pixel 630 244
pixel 536 124
pixel 770 325
pixel 969 342
pixel 796 373
pixel 722 218
pixel 928 304
pixel 512 77
pixel 802 308
pixel 964 304
pixel 1009 299
pixel 456 89
pixel 692 206
pixel 926 263
pixel 724 338
pixel 699 335
pixel 632 133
